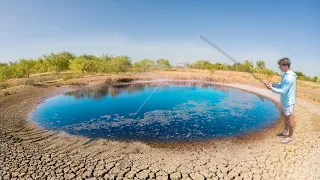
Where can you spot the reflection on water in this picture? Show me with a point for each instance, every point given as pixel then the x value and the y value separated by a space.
pixel 102 92
pixel 115 90
pixel 177 111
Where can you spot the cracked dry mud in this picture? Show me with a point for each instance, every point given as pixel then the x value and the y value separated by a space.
pixel 31 152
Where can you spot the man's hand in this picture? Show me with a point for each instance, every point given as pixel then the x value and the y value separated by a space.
pixel 269 85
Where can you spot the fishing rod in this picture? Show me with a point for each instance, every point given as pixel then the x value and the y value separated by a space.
pixel 228 56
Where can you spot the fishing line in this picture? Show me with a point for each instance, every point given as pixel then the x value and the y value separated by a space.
pixel 166 74
pixel 231 58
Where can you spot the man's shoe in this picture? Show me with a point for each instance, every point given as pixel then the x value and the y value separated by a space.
pixel 287 140
pixel 283 133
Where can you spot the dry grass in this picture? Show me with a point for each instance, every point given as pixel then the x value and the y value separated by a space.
pixel 4 86
pixel 7 92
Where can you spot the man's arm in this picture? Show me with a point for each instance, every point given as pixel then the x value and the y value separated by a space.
pixel 287 83
pixel 276 85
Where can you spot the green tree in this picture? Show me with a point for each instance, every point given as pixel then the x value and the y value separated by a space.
pixel 201 64
pixel 85 63
pixel 41 66
pixel 104 66
pixel 164 64
pixel 25 67
pixel 120 64
pixel 78 65
pixel 15 70
pixel 299 74
pixel 59 61
pixel 103 63
pixel 219 66
pixel 90 57
pixel 3 64
pixel 188 65
pixel 237 67
pixel 248 66
pixel 302 76
pixel 315 79
pixel 261 66
pixel 106 57
pixel 5 72
pixel 268 72
pixel 144 65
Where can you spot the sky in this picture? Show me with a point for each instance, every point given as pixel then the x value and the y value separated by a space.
pixel 246 30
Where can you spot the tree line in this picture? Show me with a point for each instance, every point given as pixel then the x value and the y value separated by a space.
pixel 62 61
pixel 248 66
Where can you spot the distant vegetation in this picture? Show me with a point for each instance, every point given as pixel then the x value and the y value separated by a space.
pixel 63 61
pixel 259 67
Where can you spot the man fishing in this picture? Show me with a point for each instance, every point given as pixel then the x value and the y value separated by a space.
pixel 287 90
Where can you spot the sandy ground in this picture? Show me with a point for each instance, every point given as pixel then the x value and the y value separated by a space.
pixel 31 152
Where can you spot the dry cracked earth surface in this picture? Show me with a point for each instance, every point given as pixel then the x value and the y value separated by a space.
pixel 31 152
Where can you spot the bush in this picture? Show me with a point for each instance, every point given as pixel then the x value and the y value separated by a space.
pixel 108 81
pixel 77 84
pixel 4 86
pixel 124 80
pixel 144 65
pixel 85 63
pixel 66 77
pixel 164 64
pixel 59 61
pixel 8 93
pixel 6 72
pixel 315 79
pixel 120 64
pixel 29 81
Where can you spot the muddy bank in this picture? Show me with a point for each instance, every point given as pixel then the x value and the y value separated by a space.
pixel 28 151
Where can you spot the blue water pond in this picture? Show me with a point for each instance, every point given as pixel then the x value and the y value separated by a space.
pixel 177 111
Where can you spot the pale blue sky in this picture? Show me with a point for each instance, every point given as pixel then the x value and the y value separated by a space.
pixel 250 30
